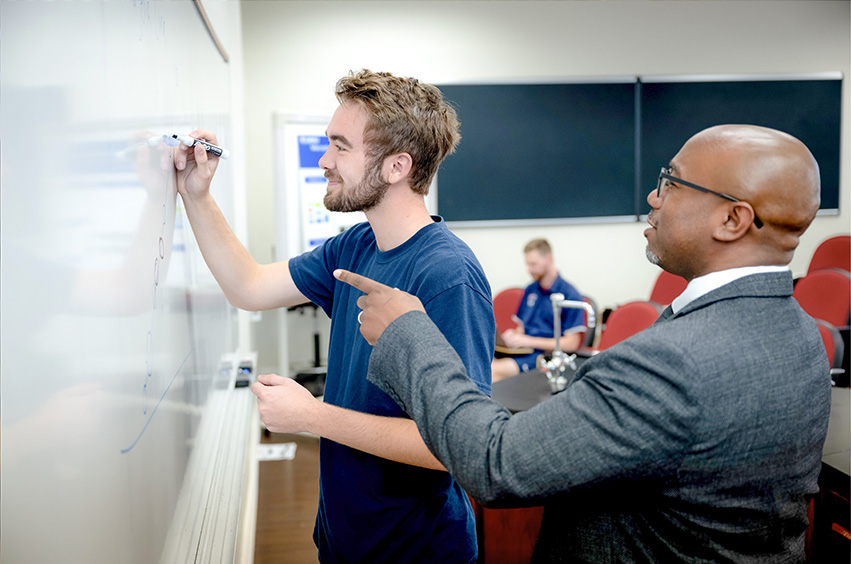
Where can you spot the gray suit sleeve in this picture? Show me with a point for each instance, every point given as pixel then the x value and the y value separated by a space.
pixel 596 430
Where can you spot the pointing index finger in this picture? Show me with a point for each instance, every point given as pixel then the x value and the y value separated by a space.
pixel 362 283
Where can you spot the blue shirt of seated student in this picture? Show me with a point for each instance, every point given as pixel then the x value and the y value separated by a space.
pixel 536 313
pixel 372 509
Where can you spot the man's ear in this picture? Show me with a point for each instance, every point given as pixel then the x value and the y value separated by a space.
pixel 397 167
pixel 736 222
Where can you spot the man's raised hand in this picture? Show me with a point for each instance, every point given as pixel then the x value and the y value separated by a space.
pixel 195 167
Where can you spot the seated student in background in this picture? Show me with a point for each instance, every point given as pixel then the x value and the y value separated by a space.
pixel 698 439
pixel 535 314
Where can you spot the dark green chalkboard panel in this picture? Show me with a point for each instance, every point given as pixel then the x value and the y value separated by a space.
pixel 671 112
pixel 539 151
pixel 534 152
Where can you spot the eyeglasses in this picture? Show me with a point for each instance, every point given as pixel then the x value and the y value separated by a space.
pixel 665 174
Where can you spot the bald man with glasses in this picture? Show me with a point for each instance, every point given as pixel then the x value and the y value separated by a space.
pixel 696 440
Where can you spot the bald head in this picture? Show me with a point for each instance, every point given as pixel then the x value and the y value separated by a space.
pixel 769 169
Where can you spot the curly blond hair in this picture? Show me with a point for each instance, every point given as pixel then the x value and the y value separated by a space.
pixel 405 116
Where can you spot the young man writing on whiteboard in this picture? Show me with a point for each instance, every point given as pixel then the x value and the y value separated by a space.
pixel 383 495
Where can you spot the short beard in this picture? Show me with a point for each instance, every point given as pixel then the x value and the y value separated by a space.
pixel 363 197
pixel 651 256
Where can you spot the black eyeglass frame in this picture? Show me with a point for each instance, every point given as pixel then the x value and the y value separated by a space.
pixel 664 174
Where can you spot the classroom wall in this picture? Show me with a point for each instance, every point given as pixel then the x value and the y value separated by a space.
pixel 296 51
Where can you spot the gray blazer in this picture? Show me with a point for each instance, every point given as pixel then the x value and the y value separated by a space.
pixel 696 440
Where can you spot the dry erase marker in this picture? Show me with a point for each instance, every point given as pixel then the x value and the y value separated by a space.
pixel 174 140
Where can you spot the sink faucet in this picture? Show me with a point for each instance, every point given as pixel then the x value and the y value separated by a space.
pixel 555 368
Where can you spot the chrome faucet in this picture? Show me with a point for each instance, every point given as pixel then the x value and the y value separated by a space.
pixel 555 368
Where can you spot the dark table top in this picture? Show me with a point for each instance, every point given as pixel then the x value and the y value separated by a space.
pixel 837 446
pixel 522 392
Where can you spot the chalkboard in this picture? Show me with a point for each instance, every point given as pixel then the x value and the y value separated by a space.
pixel 538 151
pixel 674 110
pixel 112 329
pixel 592 151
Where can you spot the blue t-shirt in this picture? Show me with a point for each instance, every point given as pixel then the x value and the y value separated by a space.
pixel 372 509
pixel 536 309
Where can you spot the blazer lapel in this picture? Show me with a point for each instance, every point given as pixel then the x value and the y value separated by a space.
pixel 770 284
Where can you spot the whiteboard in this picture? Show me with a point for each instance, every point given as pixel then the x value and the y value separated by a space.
pixel 112 327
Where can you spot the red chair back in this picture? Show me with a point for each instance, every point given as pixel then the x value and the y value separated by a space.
pixel 833 343
pixel 626 320
pixel 826 294
pixel 667 287
pixel 505 306
pixel 832 253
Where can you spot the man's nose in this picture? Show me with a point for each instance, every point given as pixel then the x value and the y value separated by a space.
pixel 653 199
pixel 326 159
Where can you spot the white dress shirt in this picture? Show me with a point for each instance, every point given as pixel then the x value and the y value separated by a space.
pixel 708 282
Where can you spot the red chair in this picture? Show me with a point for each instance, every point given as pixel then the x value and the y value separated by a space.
pixel 826 295
pixel 833 344
pixel 667 287
pixel 505 306
pixel 626 320
pixel 834 252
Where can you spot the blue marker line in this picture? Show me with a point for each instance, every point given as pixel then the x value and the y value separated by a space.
pixel 142 432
